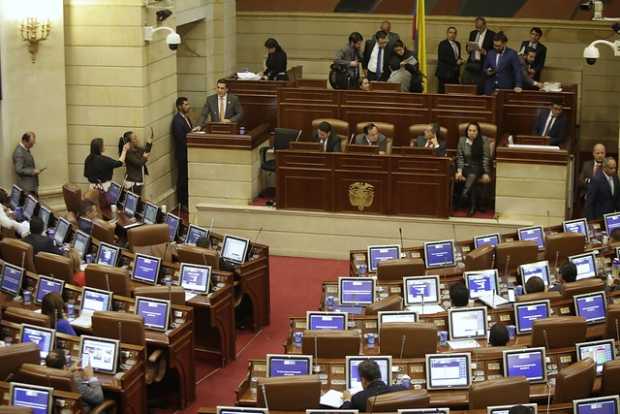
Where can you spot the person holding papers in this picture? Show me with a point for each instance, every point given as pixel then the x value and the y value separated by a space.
pixel 53 306
pixel 372 385
pixel 568 274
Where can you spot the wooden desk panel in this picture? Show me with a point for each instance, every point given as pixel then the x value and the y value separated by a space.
pixel 298 107
pixel 259 100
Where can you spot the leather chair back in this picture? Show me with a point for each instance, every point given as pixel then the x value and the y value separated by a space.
pixel 60 267
pixel 339 126
pixel 559 246
pixel 297 393
pixel 487 129
pixel 21 315
pixel 568 290
pixel 198 255
pixel 613 321
pixel 126 327
pixel 103 231
pixel 492 352
pixel 391 303
pixel 501 391
pixel 18 253
pixel 73 198
pixel 114 279
pixel 417 130
pixel 560 332
pixel 515 253
pixel 331 343
pixel 480 258
pixel 399 400
pixel 408 340
pixel 13 356
pixel 175 294
pixel 610 383
pixel 385 128
pixel 35 374
pixel 575 381
pixel 395 270
pixel 539 296
pixel 147 235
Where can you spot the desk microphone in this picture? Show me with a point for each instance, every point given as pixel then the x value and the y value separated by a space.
pixel 546 338
pixel 256 240
pixel 211 227
pixel 557 258
pixel 422 295
pixel 403 340
pixel 23 260
pixel 265 396
pixel 316 352
pixel 352 140
pixel 402 244
pixel 617 333
pixel 506 266
pixel 548 397
pixel 120 330
pixel 107 282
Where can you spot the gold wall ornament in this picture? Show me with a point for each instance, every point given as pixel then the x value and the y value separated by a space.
pixel 361 195
pixel 34 32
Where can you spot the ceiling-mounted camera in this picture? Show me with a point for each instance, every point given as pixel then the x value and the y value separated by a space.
pixel 173 39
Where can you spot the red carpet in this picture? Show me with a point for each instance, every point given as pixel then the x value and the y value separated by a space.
pixel 295 288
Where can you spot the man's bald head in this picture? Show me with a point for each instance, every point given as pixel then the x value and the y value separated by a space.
pixel 599 152
pixel 609 166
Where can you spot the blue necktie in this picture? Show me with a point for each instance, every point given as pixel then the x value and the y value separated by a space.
pixel 379 68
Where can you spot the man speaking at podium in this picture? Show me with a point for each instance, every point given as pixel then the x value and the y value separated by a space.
pixel 222 103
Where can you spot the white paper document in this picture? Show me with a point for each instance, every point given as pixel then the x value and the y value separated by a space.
pixel 332 398
pixel 463 344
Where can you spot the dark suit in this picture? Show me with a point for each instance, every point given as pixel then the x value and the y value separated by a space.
pixel 41 243
pixel 370 44
pixel 180 127
pixel 233 112
pixel 439 151
pixel 585 176
pixel 557 132
pixel 507 74
pixel 447 66
pixel 362 139
pixel 472 74
pixel 359 401
pixel 541 56
pixel 23 162
pixel 333 142
pixel 487 43
pixel 600 200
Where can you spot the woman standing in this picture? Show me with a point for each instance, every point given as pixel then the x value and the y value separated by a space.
pixel 276 61
pixel 473 158
pixel 98 167
pixel 136 163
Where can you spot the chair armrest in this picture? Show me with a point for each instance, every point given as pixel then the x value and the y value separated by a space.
pixel 107 406
pixel 155 355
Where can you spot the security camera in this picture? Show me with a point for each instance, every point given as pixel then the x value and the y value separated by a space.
pixel 591 52
pixel 173 39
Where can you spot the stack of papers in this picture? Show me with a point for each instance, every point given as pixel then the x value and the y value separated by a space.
pixel 463 344
pixel 332 398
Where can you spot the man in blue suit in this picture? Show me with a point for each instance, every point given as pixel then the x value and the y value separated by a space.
pixel 502 67
pixel 603 192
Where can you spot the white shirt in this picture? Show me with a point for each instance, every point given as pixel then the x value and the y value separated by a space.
pixel 610 180
pixel 548 124
pixel 480 41
pixel 372 63
pixel 5 221
pixel 455 49
pixel 219 104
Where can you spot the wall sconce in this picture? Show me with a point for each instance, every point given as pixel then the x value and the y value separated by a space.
pixel 34 32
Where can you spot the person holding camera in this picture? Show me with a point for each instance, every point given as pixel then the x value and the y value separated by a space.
pixel 502 67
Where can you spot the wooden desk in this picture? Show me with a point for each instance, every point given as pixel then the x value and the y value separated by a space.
pixel 64 402
pixel 554 408
pixel 322 181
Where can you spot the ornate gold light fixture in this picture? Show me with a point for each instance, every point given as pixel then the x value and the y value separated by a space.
pixel 34 32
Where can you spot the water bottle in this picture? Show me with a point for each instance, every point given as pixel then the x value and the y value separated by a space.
pixel 298 337
pixel 330 303
pixel 405 381
pixel 371 340
pixel 242 130
pixel 27 296
pixel 615 268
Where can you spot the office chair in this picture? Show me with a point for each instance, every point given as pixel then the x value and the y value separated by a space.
pixel 331 343
pixel 395 270
pixel 575 381
pixel 13 356
pixel 21 315
pixel 500 391
pixel 175 294
pixel 559 246
pixel 408 340
pixel 391 303
pixel 150 239
pixel 18 253
pixel 72 195
pixel 104 277
pixel 559 332
pixel 297 393
pixel 49 264
pixel 480 258
pixel 610 383
pixel 198 255
pixel 399 400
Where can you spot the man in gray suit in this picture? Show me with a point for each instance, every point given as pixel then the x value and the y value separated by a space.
pixel 350 57
pixel 222 102
pixel 25 169
pixel 372 136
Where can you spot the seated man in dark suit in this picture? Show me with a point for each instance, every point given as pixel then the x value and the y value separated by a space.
pixel 541 52
pixel 372 136
pixel 568 274
pixel 502 67
pixel 590 168
pixel 603 192
pixel 459 295
pixel 432 139
pixel 325 134
pixel 39 242
pixel 222 107
pixel 552 123
pixel 498 335
pixel 372 385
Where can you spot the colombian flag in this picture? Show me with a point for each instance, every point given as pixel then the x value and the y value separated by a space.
pixel 419 36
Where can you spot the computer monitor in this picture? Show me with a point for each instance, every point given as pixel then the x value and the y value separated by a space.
pixel 528 363
pixel 356 290
pixel 482 282
pixel 326 320
pixel 468 323
pixel 45 214
pixel 242 410
pixel 527 312
pixel 156 312
pixel 353 380
pixel 81 243
pixel 94 300
pixel 15 197
pixel 424 411
pixel 12 277
pixel 62 229
pixel 30 204
pixel 591 306
pixel 39 399
pixel 576 226
pixel 487 240
pixel 131 204
pixel 114 193
pixel 376 254
pixel 612 221
pixel 150 213
pixel 439 254
pixel 146 269
pixel 332 411
pixel 101 353
pixel 85 225
pixel 421 289
pixel 235 249
pixel 195 277
pixel 538 269
pixel 47 285
pixel 534 233
pixel 388 317
pixel 448 371
pixel 194 233
pixel 585 264
pixel 598 405
pixel 108 254
pixel 173 226
pixel 43 337
pixel 505 409
pixel 288 365
pixel 600 352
